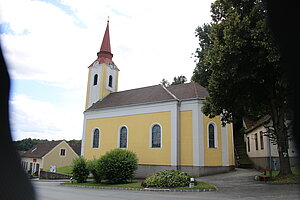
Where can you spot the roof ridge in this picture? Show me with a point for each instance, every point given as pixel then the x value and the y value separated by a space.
pixel 135 88
pixel 195 90
pixel 169 92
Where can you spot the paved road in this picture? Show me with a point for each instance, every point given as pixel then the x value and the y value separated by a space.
pixel 238 184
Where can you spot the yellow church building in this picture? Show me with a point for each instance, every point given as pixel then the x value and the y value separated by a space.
pixel 164 126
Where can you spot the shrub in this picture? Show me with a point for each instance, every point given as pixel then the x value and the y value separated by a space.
pixel 117 166
pixel 168 178
pixel 80 171
pixel 91 165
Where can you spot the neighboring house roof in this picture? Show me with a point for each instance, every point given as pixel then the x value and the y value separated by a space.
pixel 21 152
pixel 76 147
pixel 251 125
pixel 151 94
pixel 41 149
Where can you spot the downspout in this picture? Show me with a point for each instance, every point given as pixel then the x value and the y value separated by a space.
pixel 178 146
pixel 178 166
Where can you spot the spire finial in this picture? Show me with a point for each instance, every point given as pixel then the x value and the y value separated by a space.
pixel 107 19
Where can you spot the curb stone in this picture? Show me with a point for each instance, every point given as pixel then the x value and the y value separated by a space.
pixel 143 189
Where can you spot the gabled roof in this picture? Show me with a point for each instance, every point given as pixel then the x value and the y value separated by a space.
pixel 151 94
pixel 188 91
pixel 251 125
pixel 76 147
pixel 41 149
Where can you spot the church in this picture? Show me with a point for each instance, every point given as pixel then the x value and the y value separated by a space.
pixel 164 126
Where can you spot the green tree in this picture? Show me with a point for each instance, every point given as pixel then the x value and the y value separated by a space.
pixel 28 143
pixel 117 166
pixel 179 80
pixel 165 82
pixel 246 76
pixel 80 171
pixel 202 72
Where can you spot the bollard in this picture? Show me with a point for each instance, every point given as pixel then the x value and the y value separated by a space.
pixel 192 183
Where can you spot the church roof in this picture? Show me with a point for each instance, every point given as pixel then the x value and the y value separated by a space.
pixel 151 94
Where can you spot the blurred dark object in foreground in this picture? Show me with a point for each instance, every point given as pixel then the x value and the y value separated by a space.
pixel 14 184
pixel 283 22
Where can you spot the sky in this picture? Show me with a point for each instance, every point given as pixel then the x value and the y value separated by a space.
pixel 49 44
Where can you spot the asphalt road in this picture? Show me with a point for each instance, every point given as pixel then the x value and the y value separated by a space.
pixel 234 185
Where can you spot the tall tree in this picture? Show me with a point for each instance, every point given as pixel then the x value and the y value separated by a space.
pixel 179 80
pixel 202 72
pixel 165 82
pixel 246 76
pixel 27 143
pixel 176 80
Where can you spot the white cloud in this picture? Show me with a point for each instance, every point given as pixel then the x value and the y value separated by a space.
pixel 41 119
pixel 151 40
pixel 148 38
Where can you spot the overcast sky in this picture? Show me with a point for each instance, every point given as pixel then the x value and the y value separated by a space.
pixel 48 45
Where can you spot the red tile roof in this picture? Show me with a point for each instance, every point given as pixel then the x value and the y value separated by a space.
pixel 105 55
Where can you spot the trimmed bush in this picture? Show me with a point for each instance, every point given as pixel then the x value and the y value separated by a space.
pixel 117 166
pixel 92 165
pixel 80 171
pixel 168 179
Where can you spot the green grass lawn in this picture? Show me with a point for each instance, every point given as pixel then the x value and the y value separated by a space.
pixel 294 178
pixel 63 170
pixel 200 185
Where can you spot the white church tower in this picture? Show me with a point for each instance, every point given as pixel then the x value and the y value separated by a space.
pixel 103 73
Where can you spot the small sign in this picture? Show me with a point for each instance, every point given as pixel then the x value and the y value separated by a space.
pixel 52 168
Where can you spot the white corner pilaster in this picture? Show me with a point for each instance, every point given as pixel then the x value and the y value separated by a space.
pixel 198 135
pixel 83 137
pixel 224 136
pixel 174 135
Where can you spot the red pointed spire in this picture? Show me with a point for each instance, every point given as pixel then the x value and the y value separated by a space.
pixel 105 55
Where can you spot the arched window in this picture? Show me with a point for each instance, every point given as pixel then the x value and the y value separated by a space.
pixel 156 136
pixel 110 79
pixel 123 137
pixel 211 136
pixel 95 79
pixel 96 138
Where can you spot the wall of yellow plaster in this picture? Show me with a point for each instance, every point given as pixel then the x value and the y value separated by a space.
pixel 138 136
pixel 54 158
pixel 186 138
pixel 103 90
pixel 212 156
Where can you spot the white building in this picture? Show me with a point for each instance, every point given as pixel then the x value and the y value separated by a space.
pixel 260 149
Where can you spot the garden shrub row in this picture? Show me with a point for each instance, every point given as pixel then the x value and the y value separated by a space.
pixel 116 166
pixel 168 179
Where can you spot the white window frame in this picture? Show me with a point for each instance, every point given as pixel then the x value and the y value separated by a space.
pixel 161 135
pixel 92 138
pixel 119 134
pixel 215 135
